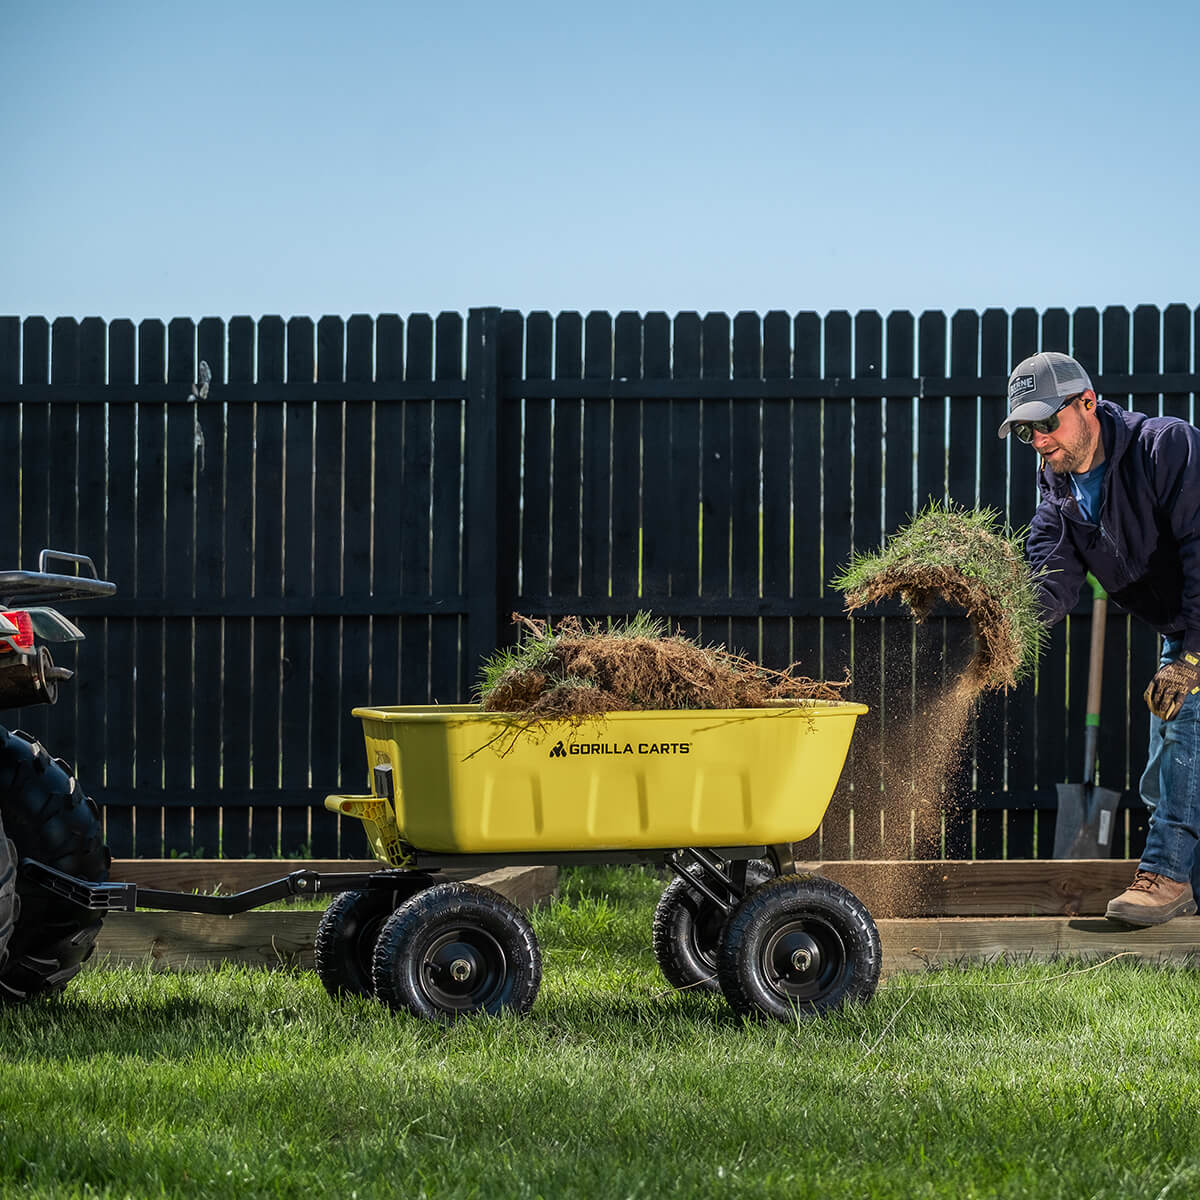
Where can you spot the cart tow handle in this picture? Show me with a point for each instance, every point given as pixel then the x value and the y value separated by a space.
pixel 128 897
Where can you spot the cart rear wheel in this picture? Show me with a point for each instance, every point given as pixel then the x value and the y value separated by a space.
pixel 688 926
pixel 457 949
pixel 799 945
pixel 346 936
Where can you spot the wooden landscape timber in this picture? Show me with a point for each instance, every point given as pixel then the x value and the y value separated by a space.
pixel 982 887
pixel 922 943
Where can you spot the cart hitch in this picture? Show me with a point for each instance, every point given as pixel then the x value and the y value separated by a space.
pixel 128 897
pixel 100 897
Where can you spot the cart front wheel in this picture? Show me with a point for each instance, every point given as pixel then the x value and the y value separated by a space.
pixel 688 926
pixel 454 950
pixel 800 945
pixel 346 936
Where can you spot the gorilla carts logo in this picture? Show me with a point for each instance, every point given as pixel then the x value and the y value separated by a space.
pixel 561 750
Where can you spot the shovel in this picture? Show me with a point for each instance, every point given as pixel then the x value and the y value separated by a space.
pixel 1087 813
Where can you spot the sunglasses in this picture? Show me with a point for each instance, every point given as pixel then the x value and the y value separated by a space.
pixel 1026 429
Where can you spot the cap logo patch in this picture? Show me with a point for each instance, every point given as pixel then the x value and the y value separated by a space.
pixel 1018 386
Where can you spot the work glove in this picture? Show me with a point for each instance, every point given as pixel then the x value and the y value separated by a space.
pixel 1173 684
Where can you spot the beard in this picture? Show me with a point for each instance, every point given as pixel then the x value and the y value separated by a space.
pixel 1067 456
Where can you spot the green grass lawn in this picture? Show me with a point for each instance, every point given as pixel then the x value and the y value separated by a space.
pixel 1035 1080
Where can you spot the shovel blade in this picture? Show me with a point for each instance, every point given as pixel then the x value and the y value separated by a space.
pixel 1087 817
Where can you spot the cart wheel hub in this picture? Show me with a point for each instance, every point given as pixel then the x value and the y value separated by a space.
pixel 460 970
pixel 802 959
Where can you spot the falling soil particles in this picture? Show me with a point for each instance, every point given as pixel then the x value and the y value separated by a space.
pixel 965 560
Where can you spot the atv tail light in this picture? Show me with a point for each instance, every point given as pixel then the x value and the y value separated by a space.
pixel 23 639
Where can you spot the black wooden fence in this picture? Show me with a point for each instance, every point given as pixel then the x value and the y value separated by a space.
pixel 354 509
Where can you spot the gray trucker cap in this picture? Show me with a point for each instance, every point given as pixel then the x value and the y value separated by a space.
pixel 1040 384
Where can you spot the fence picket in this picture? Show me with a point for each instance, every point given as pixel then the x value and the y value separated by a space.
pixel 745 458
pixel 268 586
pixel 537 460
pixel 595 548
pixel 627 442
pixel 209 448
pixel 684 470
pixel 777 517
pixel 807 577
pixel 450 677
pixel 237 537
pixel 837 829
pixel 185 485
pixel 86 692
pixel 115 770
pixel 297 742
pixel 383 457
pixel 897 749
pixel 568 465
pixel 658 498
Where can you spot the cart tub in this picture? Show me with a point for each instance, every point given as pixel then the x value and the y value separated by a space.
pixel 462 780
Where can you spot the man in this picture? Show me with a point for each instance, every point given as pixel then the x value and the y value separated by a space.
pixel 1120 497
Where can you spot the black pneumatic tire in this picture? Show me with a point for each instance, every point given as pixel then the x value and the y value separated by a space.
pixel 688 926
pixel 346 936
pixel 10 905
pixel 51 820
pixel 454 950
pixel 799 945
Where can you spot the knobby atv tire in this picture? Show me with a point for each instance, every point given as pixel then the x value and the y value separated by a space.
pixel 799 946
pixel 9 904
pixel 346 936
pixel 688 926
pixel 49 819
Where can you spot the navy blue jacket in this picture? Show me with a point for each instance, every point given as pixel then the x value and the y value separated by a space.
pixel 1145 547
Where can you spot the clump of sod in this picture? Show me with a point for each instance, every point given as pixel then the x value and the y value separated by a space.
pixel 574 671
pixel 968 558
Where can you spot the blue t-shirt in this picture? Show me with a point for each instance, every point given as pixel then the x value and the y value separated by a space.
pixel 1086 486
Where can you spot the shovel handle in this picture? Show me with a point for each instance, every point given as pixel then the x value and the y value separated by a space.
pixel 1095 680
pixel 1096 662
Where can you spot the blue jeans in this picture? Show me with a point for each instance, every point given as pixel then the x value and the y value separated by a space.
pixel 1171 789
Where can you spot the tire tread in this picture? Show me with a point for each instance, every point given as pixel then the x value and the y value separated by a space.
pixel 49 818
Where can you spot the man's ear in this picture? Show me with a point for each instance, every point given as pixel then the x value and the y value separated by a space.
pixel 1089 400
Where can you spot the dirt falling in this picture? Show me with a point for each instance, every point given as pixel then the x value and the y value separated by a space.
pixel 906 781
pixel 925 753
pixel 947 558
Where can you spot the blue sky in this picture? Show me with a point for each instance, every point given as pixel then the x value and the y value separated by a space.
pixel 298 158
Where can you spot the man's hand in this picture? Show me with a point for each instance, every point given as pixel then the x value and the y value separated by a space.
pixel 1173 684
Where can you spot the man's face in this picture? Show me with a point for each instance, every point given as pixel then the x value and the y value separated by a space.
pixel 1071 446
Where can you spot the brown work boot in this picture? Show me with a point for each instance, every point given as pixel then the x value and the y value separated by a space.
pixel 1151 900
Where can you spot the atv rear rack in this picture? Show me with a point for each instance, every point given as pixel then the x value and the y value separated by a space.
pixel 22 588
